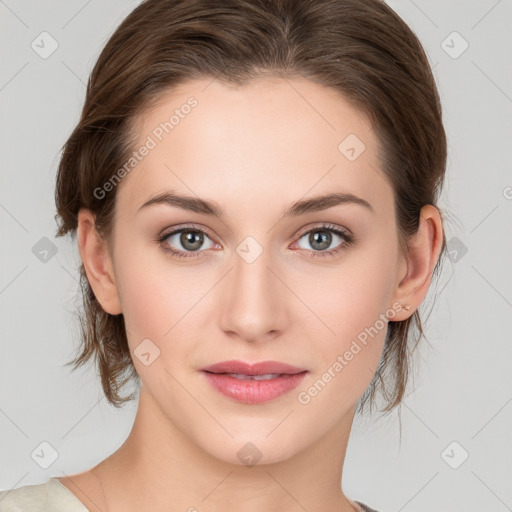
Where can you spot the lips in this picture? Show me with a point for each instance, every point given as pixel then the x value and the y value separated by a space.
pixel 253 383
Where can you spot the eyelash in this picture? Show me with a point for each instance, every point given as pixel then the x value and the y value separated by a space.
pixel 347 238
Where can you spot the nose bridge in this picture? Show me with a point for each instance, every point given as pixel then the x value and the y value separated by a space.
pixel 254 307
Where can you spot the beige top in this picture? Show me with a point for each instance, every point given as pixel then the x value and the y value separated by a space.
pixel 53 496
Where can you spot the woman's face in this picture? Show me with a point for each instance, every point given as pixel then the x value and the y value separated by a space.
pixel 276 274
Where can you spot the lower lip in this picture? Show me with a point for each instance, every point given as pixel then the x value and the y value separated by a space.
pixel 253 391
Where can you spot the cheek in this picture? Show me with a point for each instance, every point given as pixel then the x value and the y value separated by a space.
pixel 160 303
pixel 346 360
pixel 350 323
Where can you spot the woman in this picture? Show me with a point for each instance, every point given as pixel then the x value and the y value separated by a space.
pixel 253 187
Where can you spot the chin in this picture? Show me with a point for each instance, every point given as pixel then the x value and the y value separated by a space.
pixel 250 450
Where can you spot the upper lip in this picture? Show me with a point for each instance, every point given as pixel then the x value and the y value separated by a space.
pixel 261 368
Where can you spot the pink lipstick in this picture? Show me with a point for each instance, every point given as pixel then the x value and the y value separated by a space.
pixel 253 383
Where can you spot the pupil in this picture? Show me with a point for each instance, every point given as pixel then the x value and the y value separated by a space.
pixel 321 237
pixel 187 240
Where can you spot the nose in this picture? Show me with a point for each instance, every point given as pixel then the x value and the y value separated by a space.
pixel 254 307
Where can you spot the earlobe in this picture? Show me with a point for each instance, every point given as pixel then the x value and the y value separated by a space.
pixel 98 263
pixel 423 253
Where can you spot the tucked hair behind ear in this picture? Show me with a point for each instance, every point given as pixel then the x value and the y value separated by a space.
pixel 362 49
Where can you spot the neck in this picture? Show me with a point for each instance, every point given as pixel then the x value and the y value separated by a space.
pixel 176 474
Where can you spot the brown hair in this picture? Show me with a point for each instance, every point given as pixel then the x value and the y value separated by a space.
pixel 362 49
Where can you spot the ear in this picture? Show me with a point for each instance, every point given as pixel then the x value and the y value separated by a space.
pixel 98 263
pixel 419 262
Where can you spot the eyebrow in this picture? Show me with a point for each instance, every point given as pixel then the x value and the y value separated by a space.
pixel 313 204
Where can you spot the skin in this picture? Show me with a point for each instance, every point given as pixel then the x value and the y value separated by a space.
pixel 254 150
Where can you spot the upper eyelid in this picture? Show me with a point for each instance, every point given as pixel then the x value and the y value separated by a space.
pixel 173 231
pixel 327 228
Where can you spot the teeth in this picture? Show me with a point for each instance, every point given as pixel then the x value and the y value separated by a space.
pixel 255 377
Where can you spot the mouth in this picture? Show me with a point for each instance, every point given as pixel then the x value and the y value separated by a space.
pixel 266 376
pixel 253 383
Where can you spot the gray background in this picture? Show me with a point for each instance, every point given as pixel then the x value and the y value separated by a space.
pixel 463 389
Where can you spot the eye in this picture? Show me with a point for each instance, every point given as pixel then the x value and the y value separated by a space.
pixel 322 237
pixel 189 241
pixel 185 240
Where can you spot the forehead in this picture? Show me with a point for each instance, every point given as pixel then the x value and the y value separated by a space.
pixel 277 139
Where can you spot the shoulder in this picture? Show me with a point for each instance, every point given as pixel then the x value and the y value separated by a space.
pixel 50 496
pixel 26 498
